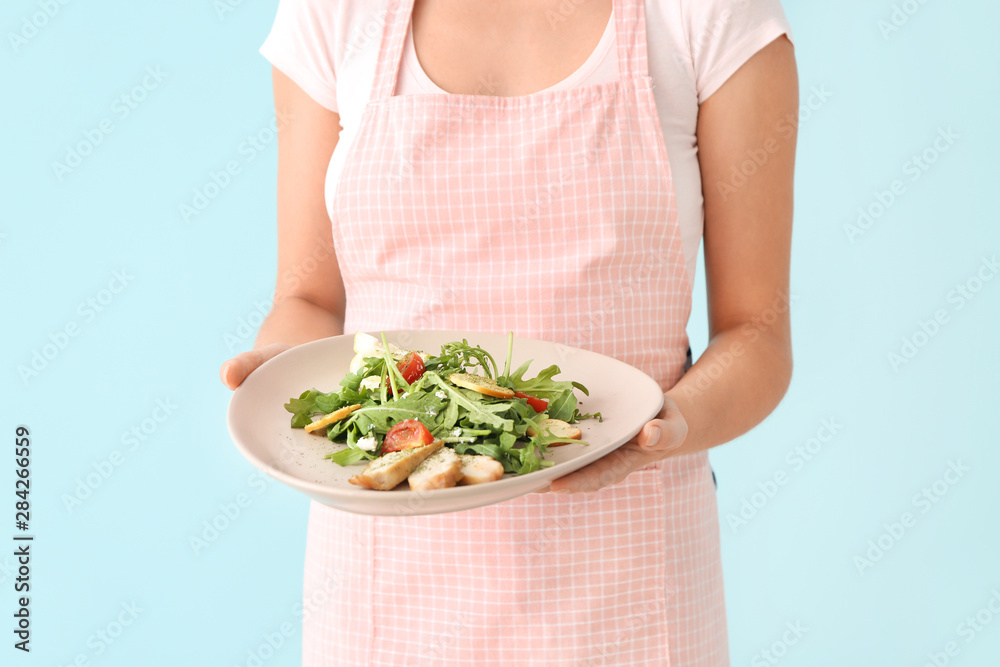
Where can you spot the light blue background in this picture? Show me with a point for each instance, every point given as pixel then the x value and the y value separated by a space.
pixel 194 283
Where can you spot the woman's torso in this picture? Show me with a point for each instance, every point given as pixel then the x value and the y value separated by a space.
pixel 670 68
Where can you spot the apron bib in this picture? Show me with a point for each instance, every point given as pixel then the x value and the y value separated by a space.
pixel 551 215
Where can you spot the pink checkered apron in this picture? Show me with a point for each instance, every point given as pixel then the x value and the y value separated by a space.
pixel 551 215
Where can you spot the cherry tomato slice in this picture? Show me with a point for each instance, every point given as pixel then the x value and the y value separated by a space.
pixel 538 404
pixel 407 434
pixel 411 367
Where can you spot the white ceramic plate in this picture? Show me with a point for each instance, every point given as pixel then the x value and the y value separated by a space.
pixel 261 429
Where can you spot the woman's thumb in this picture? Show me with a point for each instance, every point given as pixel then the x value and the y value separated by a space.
pixel 235 371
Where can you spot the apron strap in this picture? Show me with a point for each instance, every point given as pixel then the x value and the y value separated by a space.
pixel 390 56
pixel 630 27
pixel 630 35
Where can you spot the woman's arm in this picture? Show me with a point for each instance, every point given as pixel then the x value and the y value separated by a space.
pixel 747 366
pixel 309 294
pixel 748 234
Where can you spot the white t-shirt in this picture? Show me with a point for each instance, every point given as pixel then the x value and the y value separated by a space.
pixel 329 48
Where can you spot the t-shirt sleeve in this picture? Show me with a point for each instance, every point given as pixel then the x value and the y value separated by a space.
pixel 302 44
pixel 724 34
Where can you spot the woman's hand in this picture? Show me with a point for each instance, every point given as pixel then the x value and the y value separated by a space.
pixel 236 370
pixel 657 440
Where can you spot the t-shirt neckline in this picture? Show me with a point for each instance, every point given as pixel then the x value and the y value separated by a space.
pixel 596 57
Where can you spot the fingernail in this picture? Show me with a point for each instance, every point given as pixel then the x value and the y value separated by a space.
pixel 653 438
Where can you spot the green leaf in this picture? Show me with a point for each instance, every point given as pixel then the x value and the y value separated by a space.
pixel 302 408
pixel 490 426
pixel 372 366
pixel 488 450
pixel 347 456
pixel 423 406
pixel 477 411
pixel 461 357
pixel 306 401
pixel 506 364
pixel 450 416
pixel 563 407
pixel 327 403
pixel 301 421
pixel 579 416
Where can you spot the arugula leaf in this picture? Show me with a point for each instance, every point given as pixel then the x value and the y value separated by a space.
pixel 531 457
pixel 478 412
pixel 424 406
pixel 488 450
pixel 559 393
pixel 346 457
pixel 302 408
pixel 469 421
pixel 580 416
pixel 327 403
pixel 563 407
pixel 450 416
pixel 463 357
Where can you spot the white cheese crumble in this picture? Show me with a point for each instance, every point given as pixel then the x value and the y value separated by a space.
pixel 372 382
pixel 440 394
pixel 367 443
pixel 456 432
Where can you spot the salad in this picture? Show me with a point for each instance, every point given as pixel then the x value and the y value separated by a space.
pixel 440 420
